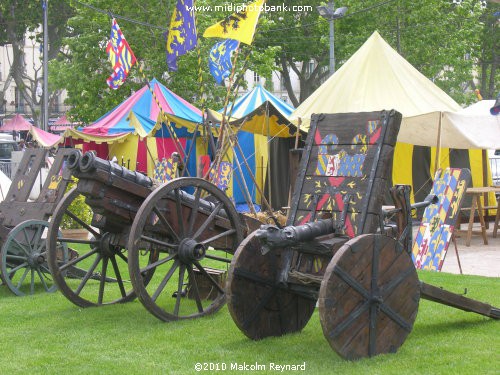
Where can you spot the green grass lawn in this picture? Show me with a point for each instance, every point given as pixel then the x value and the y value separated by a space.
pixel 46 334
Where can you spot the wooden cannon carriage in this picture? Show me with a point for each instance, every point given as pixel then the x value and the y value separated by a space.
pixel 336 250
pixel 170 245
pixel 23 222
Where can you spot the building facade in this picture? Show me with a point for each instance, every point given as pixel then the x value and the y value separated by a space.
pixel 13 101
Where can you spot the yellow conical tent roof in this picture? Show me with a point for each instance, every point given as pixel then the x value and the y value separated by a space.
pixel 376 77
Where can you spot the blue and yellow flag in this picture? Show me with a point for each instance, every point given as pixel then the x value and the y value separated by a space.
pixel 219 61
pixel 120 55
pixel 181 36
pixel 239 26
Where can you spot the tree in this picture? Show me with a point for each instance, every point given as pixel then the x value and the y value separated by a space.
pixel 20 20
pixel 488 59
pixel 298 38
pixel 83 68
pixel 440 38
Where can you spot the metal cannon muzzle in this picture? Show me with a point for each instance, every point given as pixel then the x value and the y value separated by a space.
pixel 73 159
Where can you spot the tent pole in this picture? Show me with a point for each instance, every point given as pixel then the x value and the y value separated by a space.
pixel 223 124
pixel 269 187
pixel 245 163
pixel 438 145
pixel 484 157
pixel 193 143
pixel 297 136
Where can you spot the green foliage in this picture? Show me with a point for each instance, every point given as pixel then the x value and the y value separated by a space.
pixel 449 42
pixel 79 207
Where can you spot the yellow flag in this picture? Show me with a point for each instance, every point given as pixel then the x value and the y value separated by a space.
pixel 239 25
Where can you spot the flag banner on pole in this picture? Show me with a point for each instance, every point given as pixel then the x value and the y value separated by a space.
pixel 239 26
pixel 219 61
pixel 120 55
pixel 181 37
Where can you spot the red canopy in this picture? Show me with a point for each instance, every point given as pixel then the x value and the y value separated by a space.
pixel 17 123
pixel 63 120
pixel 62 123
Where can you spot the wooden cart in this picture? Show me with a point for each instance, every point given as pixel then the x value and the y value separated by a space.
pixel 170 245
pixel 23 223
pixel 337 251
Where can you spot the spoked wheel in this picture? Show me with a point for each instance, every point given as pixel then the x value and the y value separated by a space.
pixel 369 297
pixel 193 236
pixel 23 261
pixel 259 306
pixel 94 271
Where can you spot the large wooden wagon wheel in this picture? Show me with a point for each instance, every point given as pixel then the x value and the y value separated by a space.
pixel 369 297
pixel 23 260
pixel 194 235
pixel 95 271
pixel 259 305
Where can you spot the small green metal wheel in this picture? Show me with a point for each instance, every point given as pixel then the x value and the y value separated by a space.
pixel 193 228
pixel 23 260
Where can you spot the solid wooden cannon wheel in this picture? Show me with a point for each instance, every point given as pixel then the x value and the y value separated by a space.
pixel 369 297
pixel 193 228
pixel 258 305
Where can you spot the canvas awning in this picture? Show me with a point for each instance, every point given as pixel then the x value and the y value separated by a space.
pixel 17 123
pixel 259 112
pixel 78 135
pixel 142 103
pixel 471 127
pixel 45 139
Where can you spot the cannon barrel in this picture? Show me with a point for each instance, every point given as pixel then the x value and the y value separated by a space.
pixel 89 163
pixel 271 236
pixel 74 159
pixel 91 167
pixel 430 199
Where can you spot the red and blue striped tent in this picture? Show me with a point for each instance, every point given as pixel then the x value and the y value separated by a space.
pixel 134 132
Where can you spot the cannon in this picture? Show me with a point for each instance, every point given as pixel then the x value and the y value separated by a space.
pixel 169 245
pixel 24 222
pixel 339 251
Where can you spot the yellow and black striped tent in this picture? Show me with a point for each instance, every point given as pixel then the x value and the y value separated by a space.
pixel 376 77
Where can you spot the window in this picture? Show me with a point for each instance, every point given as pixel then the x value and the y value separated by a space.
pixel 256 77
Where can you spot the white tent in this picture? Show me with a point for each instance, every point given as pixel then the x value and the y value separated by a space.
pixel 376 77
pixel 471 127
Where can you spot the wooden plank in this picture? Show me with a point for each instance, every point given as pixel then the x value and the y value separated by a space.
pixel 329 170
pixel 13 213
pixel 355 161
pixel 57 179
pixel 348 126
pixel 29 167
pixel 329 197
pixel 457 301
